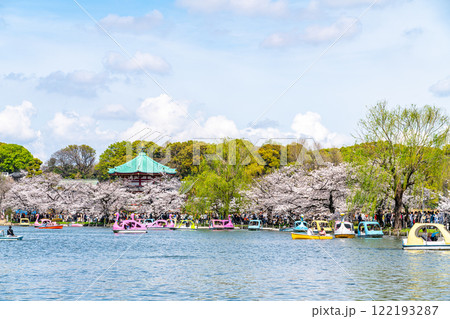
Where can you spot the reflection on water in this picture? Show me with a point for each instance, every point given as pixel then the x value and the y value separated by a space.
pixel 202 265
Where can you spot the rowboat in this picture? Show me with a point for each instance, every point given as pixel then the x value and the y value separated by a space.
pixel 343 229
pixel 420 239
pixel 7 237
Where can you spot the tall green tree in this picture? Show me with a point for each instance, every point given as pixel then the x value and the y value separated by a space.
pixel 14 158
pixel 219 185
pixel 402 148
pixel 72 161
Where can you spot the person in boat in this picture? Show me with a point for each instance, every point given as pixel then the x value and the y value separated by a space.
pixel 10 232
pixel 322 232
pixel 424 234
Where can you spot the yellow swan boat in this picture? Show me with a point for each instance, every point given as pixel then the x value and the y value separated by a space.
pixel 420 239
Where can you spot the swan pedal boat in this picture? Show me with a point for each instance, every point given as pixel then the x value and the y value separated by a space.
pixel 316 225
pixel 344 229
pixel 254 224
pixel 46 224
pixel 300 226
pixel 75 225
pixel 24 222
pixel 415 242
pixel 310 236
pixel 221 224
pixel 370 230
pixel 129 226
pixel 50 227
pixel 185 224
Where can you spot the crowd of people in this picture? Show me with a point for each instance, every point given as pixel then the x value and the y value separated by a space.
pixel 385 219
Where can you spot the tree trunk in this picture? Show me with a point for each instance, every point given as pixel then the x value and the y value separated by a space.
pixel 397 208
pixel 331 204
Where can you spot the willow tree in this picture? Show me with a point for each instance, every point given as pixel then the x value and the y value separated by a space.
pixel 401 149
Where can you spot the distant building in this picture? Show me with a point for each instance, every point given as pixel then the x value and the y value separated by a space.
pixel 140 170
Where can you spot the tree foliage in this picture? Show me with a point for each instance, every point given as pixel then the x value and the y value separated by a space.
pixel 401 148
pixel 73 161
pixel 14 158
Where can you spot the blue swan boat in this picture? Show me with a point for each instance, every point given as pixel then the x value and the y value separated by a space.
pixel 254 224
pixel 300 226
pixel 369 230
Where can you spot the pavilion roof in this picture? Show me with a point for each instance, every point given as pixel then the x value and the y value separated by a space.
pixel 142 164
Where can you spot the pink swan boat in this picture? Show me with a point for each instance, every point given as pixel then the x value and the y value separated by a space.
pixel 162 224
pixel 75 225
pixel 46 224
pixel 221 224
pixel 128 226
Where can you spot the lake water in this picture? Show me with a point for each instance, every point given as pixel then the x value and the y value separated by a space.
pixel 95 264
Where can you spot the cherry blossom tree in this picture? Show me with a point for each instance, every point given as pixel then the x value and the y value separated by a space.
pixel 293 190
pixel 108 197
pixel 160 196
pixel 6 183
pixel 444 204
pixel 39 193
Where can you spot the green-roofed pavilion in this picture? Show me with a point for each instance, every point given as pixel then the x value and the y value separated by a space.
pixel 141 169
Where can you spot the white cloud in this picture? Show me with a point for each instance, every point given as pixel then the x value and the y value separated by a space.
pixel 15 123
pixel 78 83
pixel 113 112
pixel 164 114
pixel 113 22
pixel 116 62
pixel 162 118
pixel 441 88
pixel 217 127
pixel 318 34
pixel 314 34
pixel 16 77
pixel 278 40
pixel 309 125
pixel 72 127
pixel 352 3
pixel 247 7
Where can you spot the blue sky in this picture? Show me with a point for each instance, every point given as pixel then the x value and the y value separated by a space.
pixel 219 64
